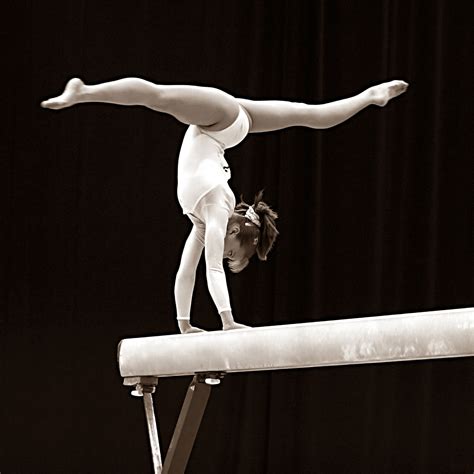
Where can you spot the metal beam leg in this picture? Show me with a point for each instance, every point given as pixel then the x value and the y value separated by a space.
pixel 188 422
pixel 145 387
pixel 152 432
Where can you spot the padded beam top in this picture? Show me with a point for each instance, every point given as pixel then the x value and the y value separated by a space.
pixel 427 335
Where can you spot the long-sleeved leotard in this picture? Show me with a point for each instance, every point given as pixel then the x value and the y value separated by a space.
pixel 206 198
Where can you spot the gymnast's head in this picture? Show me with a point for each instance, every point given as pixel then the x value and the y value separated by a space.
pixel 250 230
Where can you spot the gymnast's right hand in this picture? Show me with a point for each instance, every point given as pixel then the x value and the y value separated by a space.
pixel 186 328
pixel 228 322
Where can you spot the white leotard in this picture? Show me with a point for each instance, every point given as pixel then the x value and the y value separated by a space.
pixel 202 166
pixel 207 199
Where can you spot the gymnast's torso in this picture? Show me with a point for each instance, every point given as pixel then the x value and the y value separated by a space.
pixel 202 168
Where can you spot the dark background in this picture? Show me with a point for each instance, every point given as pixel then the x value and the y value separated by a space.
pixel 375 218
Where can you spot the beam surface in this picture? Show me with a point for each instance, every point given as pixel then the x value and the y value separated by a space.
pixel 401 337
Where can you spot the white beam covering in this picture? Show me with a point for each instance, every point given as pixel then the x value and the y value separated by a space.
pixel 401 337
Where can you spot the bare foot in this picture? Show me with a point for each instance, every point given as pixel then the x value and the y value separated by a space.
pixel 186 328
pixel 228 327
pixel 70 96
pixel 382 93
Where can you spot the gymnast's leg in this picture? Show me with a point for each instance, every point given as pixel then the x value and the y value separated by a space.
pixel 269 115
pixel 203 106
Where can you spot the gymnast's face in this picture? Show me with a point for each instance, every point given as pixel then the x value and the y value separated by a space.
pixel 234 251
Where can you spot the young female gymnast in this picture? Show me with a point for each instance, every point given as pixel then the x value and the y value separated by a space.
pixel 218 121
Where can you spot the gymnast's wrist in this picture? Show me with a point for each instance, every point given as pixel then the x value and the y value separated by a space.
pixel 226 316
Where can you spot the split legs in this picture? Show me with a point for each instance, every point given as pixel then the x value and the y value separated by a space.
pixel 215 109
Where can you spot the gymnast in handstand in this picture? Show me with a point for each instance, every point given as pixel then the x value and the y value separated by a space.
pixel 218 121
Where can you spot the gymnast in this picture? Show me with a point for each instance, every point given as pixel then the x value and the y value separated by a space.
pixel 218 121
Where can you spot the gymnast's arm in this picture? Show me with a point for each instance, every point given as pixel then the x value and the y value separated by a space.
pixel 216 218
pixel 186 276
pixel 215 211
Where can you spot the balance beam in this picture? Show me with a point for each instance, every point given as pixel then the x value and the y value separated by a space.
pixel 209 355
pixel 400 337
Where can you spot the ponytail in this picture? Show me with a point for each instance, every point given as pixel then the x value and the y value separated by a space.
pixel 263 235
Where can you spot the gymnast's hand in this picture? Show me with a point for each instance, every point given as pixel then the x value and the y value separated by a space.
pixel 228 322
pixel 186 328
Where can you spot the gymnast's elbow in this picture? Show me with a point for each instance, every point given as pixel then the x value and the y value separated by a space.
pixel 214 267
pixel 185 276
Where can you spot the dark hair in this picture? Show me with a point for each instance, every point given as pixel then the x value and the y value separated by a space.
pixel 254 238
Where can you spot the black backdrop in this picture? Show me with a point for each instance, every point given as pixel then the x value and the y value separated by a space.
pixel 375 218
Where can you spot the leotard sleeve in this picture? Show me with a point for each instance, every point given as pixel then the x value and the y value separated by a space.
pixel 216 219
pixel 184 285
